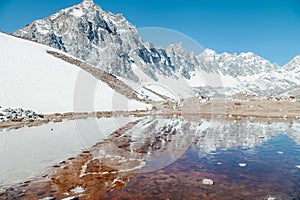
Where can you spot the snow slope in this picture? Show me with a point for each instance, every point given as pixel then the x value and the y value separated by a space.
pixel 32 79
pixel 170 87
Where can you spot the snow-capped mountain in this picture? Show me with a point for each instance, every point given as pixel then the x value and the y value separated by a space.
pixel 110 42
pixel 292 69
pixel 278 80
pixel 100 38
pixel 293 65
pixel 235 65
pixel 89 33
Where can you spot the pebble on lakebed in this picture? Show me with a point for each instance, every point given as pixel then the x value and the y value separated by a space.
pixel 242 164
pixel 207 182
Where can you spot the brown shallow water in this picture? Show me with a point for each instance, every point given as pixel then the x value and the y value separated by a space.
pixel 267 174
pixel 157 158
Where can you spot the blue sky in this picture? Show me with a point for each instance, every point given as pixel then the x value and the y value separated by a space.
pixel 269 28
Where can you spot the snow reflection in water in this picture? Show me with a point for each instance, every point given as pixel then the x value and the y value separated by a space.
pixel 29 151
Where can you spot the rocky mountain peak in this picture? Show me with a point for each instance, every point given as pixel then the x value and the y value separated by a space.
pixel 178 49
pixel 247 54
pixel 88 6
pixel 88 2
pixel 294 64
pixel 87 32
pixel 208 52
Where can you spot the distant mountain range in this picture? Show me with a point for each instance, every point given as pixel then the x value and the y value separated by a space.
pixel 110 42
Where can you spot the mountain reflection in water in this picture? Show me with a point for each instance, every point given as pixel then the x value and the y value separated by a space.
pixel 246 160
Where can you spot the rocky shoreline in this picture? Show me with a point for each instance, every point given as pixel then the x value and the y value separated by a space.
pixel 18 114
pixel 192 109
pixel 39 119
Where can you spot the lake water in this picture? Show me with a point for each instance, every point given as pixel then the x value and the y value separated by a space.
pixel 30 151
pixel 245 160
